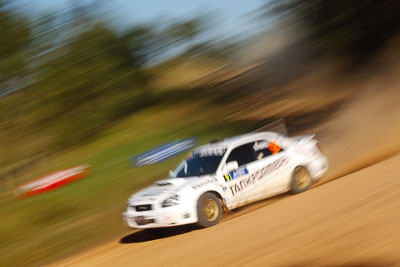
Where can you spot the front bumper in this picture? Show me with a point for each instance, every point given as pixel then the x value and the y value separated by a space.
pixel 159 218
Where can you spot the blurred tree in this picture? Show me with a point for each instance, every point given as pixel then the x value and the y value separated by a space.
pixel 212 50
pixel 177 37
pixel 83 73
pixel 356 28
pixel 15 39
pixel 94 79
pixel 186 30
pixel 142 43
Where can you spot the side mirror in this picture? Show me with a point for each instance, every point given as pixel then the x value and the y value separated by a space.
pixel 171 174
pixel 231 166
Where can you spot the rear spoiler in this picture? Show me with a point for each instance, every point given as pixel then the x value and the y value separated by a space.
pixel 277 126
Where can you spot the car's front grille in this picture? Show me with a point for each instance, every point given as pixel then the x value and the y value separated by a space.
pixel 143 207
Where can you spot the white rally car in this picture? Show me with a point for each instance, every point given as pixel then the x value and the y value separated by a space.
pixel 225 175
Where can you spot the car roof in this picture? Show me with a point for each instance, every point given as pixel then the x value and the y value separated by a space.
pixel 240 139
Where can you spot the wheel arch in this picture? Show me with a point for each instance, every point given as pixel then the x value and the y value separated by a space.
pixel 202 220
pixel 218 195
pixel 303 165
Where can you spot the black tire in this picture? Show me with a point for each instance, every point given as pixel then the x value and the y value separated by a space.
pixel 301 180
pixel 208 210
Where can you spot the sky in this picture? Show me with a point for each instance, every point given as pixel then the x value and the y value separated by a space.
pixel 232 17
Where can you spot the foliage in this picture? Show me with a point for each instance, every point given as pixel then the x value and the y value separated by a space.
pixel 15 38
pixel 73 75
pixel 85 83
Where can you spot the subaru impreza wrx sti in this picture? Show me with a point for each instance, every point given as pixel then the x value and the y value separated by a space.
pixel 227 174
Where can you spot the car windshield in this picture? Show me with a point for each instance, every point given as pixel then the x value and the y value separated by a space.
pixel 197 164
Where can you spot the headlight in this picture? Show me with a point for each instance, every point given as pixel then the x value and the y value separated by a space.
pixel 171 201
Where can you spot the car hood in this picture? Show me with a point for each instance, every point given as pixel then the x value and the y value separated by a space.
pixel 162 189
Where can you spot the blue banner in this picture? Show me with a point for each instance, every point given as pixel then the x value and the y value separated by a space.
pixel 163 152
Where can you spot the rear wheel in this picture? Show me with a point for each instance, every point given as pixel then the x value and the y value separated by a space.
pixel 208 210
pixel 301 180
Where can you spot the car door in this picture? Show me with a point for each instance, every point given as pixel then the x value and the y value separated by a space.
pixel 238 190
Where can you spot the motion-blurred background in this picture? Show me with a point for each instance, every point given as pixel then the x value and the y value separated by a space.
pixel 99 81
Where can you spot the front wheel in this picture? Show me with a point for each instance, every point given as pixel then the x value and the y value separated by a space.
pixel 301 180
pixel 208 210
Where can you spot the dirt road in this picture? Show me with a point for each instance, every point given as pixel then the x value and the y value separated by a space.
pixel 352 221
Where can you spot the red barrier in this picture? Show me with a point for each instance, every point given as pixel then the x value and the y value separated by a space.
pixel 52 181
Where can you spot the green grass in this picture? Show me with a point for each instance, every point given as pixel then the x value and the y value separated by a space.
pixel 49 226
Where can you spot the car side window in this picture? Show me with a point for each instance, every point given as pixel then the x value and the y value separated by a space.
pixel 242 154
pixel 265 148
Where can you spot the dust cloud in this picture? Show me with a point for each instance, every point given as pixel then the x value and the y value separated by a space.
pixel 366 129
